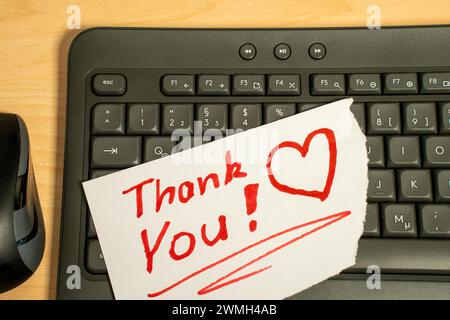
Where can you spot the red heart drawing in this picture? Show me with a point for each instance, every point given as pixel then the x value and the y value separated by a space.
pixel 303 149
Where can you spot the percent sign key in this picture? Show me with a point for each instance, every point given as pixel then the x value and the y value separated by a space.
pixel 278 111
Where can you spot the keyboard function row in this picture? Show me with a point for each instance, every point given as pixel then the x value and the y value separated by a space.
pixel 284 84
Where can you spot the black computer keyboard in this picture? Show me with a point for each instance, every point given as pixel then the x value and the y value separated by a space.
pixel 129 89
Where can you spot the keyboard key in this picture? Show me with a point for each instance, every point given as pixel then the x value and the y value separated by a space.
pixel 415 186
pixel 245 116
pixel 442 185
pixel 157 147
pixel 177 116
pixel 359 111
pixel 364 84
pixel 100 173
pixel 403 151
pixel 212 116
pixel 213 85
pixel 248 85
pixel 375 151
pixel 95 262
pixel 302 107
pixel 282 51
pixel 276 111
pixel 91 232
pixel 328 84
pixel 420 118
pixel 247 51
pixel 444 115
pixel 143 119
pixel 109 85
pixel 372 223
pixel 381 186
pixel 384 118
pixel 283 85
pixel 436 83
pixel 115 152
pixel 401 83
pixel 434 220
pixel 317 51
pixel 178 85
pixel 437 151
pixel 399 220
pixel 108 118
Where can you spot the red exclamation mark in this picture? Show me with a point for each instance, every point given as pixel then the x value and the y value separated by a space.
pixel 251 194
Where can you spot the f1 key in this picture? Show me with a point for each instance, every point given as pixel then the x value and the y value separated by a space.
pixel 178 85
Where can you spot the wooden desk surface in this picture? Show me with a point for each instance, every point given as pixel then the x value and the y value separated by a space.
pixel 34 40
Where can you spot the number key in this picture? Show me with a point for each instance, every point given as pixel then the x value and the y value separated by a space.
pixel 245 116
pixel 276 111
pixel 302 107
pixel 212 116
pixel 177 116
pixel 420 118
pixel 384 118
pixel 143 119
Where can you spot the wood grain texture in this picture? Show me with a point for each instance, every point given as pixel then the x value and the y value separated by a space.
pixel 34 40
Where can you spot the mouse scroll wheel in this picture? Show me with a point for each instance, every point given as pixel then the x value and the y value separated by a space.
pixel 20 193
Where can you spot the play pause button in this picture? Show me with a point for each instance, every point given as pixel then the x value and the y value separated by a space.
pixel 282 51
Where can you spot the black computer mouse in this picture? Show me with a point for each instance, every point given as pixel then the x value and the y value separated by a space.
pixel 22 234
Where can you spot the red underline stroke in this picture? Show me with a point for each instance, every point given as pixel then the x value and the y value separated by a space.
pixel 211 287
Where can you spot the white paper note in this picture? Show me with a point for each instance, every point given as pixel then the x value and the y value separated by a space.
pixel 262 214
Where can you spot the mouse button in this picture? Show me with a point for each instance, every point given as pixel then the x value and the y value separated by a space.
pixel 23 225
pixel 20 193
pixel 24 147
